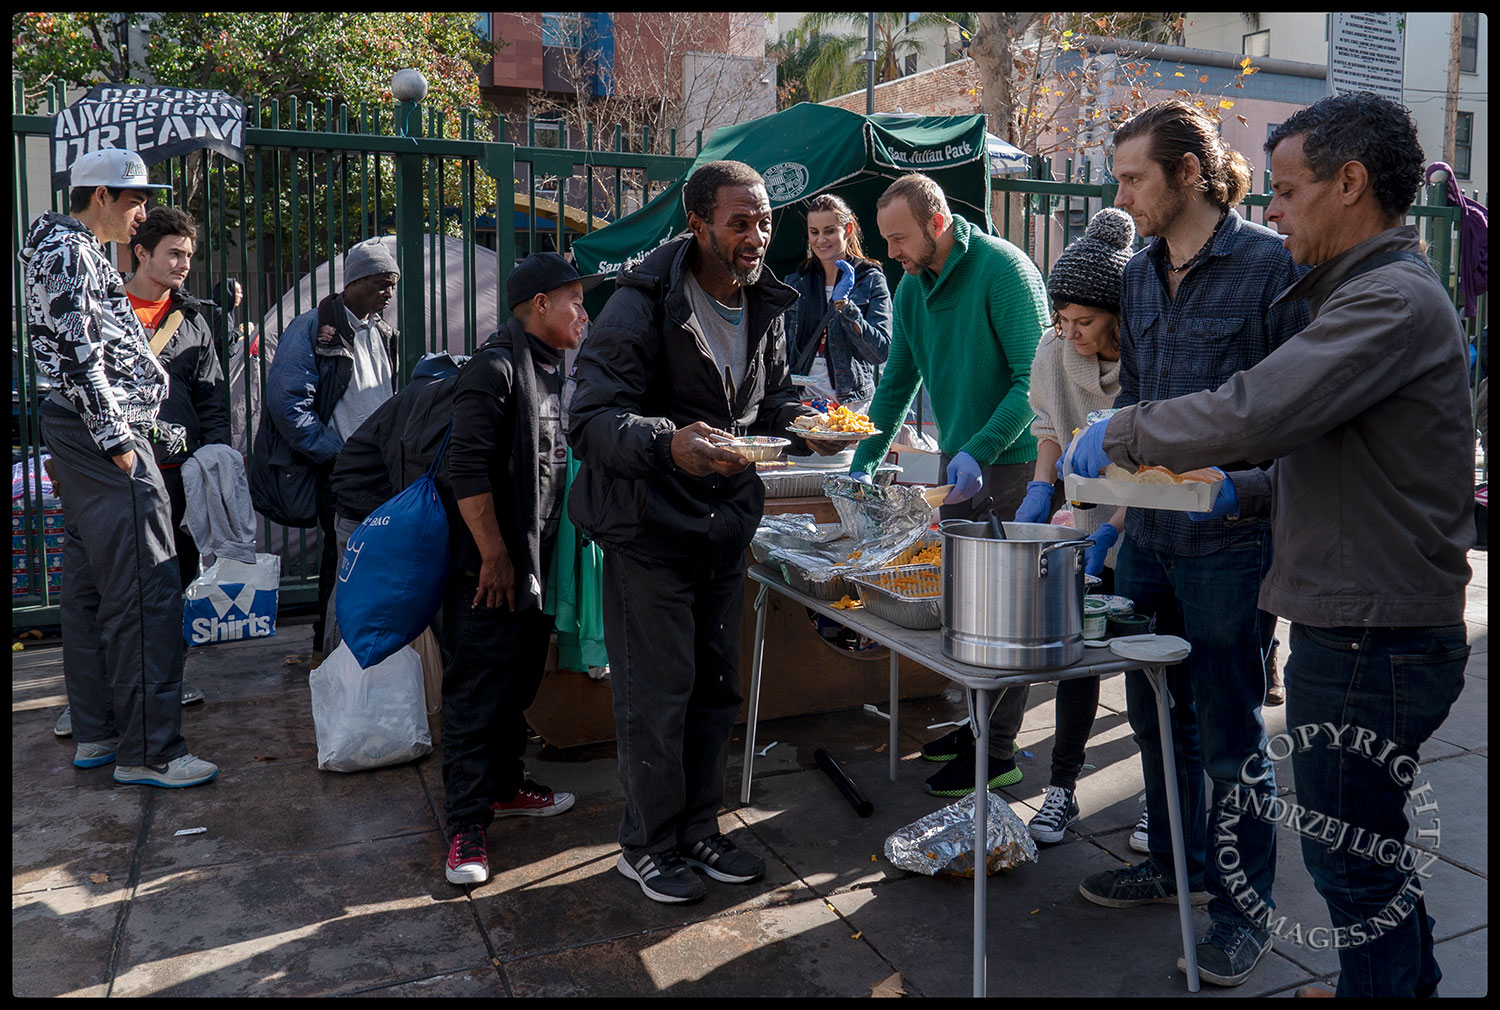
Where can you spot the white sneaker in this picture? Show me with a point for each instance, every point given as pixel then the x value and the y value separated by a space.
pixel 175 774
pixel 1139 841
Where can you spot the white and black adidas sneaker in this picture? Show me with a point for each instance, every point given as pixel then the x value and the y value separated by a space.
pixel 663 877
pixel 721 859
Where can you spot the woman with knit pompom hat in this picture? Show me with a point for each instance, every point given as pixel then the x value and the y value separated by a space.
pixel 1077 370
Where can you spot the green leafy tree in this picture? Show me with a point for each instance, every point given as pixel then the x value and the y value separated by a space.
pixel 72 47
pixel 335 64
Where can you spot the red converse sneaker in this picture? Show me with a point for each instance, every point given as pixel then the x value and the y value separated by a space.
pixel 468 860
pixel 533 800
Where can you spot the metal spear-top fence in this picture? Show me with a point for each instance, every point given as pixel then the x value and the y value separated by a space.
pixel 460 210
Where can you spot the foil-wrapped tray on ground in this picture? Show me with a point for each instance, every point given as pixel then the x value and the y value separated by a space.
pixel 943 841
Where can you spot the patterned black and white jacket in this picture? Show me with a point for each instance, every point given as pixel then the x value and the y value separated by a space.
pixel 86 337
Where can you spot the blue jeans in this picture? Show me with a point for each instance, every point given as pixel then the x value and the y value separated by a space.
pixel 1216 724
pixel 1392 688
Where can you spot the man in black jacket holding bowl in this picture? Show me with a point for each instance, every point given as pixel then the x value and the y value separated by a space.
pixel 692 344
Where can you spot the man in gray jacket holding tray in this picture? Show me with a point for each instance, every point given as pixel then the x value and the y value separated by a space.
pixel 1366 413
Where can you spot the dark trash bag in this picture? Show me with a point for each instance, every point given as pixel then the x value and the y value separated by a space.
pixel 394 571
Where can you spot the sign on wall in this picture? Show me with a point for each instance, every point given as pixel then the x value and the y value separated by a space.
pixel 156 122
pixel 1367 52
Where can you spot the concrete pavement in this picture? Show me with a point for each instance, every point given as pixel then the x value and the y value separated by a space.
pixel 312 883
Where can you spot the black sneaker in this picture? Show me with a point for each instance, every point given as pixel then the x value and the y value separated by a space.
pixel 947 746
pixel 664 877
pixel 956 778
pixel 1229 953
pixel 721 859
pixel 1129 886
pixel 1059 812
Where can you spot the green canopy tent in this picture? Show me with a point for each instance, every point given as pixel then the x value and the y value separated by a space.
pixel 807 150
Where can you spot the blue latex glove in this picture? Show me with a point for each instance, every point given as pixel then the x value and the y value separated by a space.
pixel 861 476
pixel 844 284
pixel 1093 557
pixel 1037 503
pixel 1226 504
pixel 1085 455
pixel 965 476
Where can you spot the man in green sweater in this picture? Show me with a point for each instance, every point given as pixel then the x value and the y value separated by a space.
pixel 968 317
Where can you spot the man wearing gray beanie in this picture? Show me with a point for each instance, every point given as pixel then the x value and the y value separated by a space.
pixel 334 366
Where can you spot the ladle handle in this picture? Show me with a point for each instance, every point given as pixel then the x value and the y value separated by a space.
pixel 997 525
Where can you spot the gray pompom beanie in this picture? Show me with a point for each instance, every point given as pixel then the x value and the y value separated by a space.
pixel 1090 270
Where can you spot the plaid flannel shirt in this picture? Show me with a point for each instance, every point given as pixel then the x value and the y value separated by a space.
pixel 1221 322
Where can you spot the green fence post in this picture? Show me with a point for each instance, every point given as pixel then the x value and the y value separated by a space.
pixel 409 228
pixel 500 165
pixel 1440 239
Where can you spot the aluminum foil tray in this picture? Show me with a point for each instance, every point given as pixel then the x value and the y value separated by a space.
pixel 833 588
pixel 800 481
pixel 943 841
pixel 931 538
pixel 891 594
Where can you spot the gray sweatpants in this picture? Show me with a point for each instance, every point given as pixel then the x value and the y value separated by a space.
pixel 343 529
pixel 121 606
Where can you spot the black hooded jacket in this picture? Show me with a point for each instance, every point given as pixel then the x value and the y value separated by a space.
pixel 645 371
pixel 196 398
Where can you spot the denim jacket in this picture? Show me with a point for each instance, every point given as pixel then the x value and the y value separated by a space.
pixel 859 338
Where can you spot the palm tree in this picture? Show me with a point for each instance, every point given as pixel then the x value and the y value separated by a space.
pixel 800 77
pixel 834 71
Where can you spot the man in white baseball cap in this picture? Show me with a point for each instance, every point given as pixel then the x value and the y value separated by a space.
pixel 112 167
pixel 121 604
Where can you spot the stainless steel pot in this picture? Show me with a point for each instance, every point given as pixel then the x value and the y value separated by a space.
pixel 1015 603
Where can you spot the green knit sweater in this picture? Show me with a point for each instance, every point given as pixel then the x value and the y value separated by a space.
pixel 969 333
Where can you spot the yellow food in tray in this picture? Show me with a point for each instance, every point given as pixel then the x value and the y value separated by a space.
pixel 913 584
pixel 847 603
pixel 920 554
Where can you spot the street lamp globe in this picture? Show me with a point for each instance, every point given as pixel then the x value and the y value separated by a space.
pixel 409 86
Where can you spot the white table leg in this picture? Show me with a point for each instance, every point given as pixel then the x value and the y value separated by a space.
pixel 755 669
pixel 895 704
pixel 1157 675
pixel 981 728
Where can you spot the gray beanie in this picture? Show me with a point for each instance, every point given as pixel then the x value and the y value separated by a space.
pixel 1089 271
pixel 372 256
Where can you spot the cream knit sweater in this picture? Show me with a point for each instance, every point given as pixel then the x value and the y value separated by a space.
pixel 1065 386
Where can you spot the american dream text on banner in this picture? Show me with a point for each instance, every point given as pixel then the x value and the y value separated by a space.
pixel 232 601
pixel 155 122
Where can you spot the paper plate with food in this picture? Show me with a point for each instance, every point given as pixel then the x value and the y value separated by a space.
pixel 1152 487
pixel 840 424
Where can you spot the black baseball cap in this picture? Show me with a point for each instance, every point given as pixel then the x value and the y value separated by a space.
pixel 542 272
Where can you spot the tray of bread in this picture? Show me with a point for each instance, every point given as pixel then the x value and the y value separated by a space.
pixel 1151 487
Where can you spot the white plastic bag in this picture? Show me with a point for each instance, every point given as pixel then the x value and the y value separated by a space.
pixel 369 718
pixel 232 601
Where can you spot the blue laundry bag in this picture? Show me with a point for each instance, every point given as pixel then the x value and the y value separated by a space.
pixel 394 570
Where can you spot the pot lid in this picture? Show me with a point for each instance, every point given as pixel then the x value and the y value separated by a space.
pixel 1151 648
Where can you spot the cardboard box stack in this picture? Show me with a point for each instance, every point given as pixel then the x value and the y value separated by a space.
pixel 36 539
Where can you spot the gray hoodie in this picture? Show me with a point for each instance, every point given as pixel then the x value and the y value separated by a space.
pixel 1367 415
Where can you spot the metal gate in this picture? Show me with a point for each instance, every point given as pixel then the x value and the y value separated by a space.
pixel 315 180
